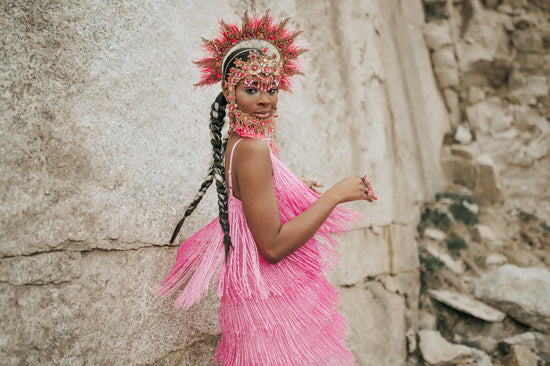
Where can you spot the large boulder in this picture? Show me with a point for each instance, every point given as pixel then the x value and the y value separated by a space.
pixel 437 351
pixel 520 356
pixel 522 293
pixel 437 34
pixel 445 67
pixel 487 188
pixel 484 55
pixel 488 116
pixel 468 305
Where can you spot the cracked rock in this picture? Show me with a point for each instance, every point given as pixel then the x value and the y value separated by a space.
pixel 468 305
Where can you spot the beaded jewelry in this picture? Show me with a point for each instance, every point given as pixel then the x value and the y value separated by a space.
pixel 270 69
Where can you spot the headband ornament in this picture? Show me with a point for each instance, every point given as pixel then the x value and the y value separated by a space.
pixel 274 36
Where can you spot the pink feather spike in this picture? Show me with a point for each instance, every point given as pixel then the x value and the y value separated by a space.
pixel 252 27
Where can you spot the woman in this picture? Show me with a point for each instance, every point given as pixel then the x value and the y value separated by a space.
pixel 277 308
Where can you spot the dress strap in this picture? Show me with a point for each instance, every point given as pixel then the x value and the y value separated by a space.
pixel 231 165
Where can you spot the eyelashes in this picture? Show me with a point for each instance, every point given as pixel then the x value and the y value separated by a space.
pixel 255 90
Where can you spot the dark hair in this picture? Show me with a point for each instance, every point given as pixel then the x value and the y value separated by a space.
pixel 216 171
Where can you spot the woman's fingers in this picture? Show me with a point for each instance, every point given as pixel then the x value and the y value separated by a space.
pixel 312 184
pixel 368 184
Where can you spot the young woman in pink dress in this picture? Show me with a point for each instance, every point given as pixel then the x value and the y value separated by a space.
pixel 268 250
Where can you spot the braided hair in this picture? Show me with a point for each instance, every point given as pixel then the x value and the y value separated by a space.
pixel 216 171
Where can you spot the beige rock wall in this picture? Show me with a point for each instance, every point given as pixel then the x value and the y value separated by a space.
pixel 104 140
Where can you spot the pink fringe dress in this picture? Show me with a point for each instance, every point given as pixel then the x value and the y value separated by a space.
pixel 283 314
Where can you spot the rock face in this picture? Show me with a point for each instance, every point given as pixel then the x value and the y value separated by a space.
pixel 523 293
pixel 438 352
pixel 520 356
pixel 468 305
pixel 525 339
pixel 104 142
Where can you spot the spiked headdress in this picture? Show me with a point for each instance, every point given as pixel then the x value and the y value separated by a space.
pixel 274 39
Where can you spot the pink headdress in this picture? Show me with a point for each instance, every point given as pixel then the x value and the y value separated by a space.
pixel 260 32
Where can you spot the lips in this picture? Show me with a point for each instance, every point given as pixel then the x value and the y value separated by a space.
pixel 262 114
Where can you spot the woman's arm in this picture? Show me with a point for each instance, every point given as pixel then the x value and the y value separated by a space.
pixel 275 241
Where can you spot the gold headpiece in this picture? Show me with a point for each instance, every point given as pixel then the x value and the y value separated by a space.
pixel 271 59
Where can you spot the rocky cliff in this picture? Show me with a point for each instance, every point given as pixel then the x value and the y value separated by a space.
pixel 105 140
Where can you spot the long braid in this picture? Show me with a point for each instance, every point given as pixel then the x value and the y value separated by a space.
pixel 218 152
pixel 198 197
pixel 217 114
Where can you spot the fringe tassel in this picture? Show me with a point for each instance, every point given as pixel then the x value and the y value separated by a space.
pixel 197 265
pixel 270 314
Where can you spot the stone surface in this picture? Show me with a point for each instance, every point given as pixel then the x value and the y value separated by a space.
pixel 495 260
pixel 459 170
pixel 482 51
pixel 472 207
pixel 488 116
pixel 463 136
pixel 437 351
pixel 522 159
pixel 520 356
pixel 427 321
pixel 454 265
pixel 403 249
pixel 411 82
pixel 435 234
pixel 437 34
pixel 468 152
pixel 104 142
pixel 530 62
pixel 491 3
pixel 515 3
pixel 528 41
pixel 485 343
pixel 453 104
pixel 543 345
pixel 468 305
pixel 537 85
pixel 40 269
pixel 475 94
pixel 364 254
pixel 109 315
pixel 487 187
pixel 538 148
pixel 382 318
pixel 506 9
pixel 522 293
pixel 526 339
pixel 407 285
pixel 411 341
pixel 445 67
pixel 526 118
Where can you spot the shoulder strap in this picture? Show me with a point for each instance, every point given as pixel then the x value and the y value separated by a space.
pixel 231 164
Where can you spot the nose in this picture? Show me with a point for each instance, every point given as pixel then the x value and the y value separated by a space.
pixel 264 99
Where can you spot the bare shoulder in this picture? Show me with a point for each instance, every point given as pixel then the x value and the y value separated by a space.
pixel 251 151
pixel 253 146
pixel 252 157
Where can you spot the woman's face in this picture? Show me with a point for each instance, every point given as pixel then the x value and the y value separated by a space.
pixel 252 101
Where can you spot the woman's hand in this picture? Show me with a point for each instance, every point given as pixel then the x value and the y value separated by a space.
pixel 352 188
pixel 312 184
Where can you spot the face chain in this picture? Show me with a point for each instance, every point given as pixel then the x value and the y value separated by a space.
pixel 263 72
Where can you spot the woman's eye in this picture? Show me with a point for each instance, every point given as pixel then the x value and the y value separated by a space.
pixel 251 90
pixel 272 91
